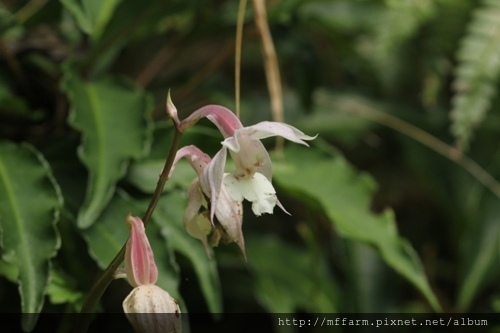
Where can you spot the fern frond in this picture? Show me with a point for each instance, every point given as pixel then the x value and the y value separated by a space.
pixel 477 72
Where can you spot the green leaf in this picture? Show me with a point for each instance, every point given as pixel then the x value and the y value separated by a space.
pixel 168 270
pixel 477 72
pixel 30 202
pixel 168 215
pixel 112 116
pixel 91 15
pixel 481 252
pixel 62 289
pixel 310 287
pixel 108 235
pixel 345 196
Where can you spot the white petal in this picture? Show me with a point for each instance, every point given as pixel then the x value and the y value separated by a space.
pixel 266 129
pixel 229 213
pixel 211 179
pixel 195 200
pixel 256 189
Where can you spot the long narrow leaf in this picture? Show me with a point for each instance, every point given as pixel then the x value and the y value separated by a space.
pixel 345 197
pixel 477 71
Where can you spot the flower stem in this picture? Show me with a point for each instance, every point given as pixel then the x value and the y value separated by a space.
pixel 107 275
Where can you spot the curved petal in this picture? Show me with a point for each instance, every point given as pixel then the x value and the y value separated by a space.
pixel 225 120
pixel 266 129
pixel 211 179
pixel 198 159
pixel 229 213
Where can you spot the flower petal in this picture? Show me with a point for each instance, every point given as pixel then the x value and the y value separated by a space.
pixel 267 129
pixel 198 159
pixel 229 213
pixel 225 120
pixel 211 179
pixel 256 189
pixel 197 224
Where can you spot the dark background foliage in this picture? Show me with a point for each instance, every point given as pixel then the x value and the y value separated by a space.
pixel 394 206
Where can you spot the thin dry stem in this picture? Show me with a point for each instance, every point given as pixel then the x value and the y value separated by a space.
pixel 28 10
pixel 201 75
pixel 270 65
pixel 159 61
pixel 237 56
pixel 430 141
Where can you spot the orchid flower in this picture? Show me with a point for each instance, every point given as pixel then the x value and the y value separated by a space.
pixel 208 198
pixel 146 297
pixel 253 175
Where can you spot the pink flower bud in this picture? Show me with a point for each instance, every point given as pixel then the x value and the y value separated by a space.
pixel 140 264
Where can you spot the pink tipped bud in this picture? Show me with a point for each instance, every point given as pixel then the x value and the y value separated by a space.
pixel 139 259
pixel 171 109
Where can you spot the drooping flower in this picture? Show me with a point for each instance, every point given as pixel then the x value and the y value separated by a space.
pixel 148 307
pixel 208 198
pixel 253 175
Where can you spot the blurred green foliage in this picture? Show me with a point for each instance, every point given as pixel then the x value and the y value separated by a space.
pixel 382 221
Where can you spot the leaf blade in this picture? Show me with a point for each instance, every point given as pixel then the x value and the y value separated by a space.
pixel 28 235
pixel 112 116
pixel 92 15
pixel 476 73
pixel 345 197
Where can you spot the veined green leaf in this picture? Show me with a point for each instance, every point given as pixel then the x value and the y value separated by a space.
pixel 112 116
pixel 477 72
pixel 30 202
pixel 345 197
pixel 91 15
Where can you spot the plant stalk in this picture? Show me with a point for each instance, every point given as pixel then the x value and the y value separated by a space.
pixel 97 290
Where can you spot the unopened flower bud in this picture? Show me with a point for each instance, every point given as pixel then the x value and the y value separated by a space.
pixel 151 309
pixel 140 263
pixel 171 109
